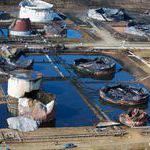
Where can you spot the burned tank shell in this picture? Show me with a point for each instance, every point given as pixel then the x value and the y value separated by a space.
pixel 22 81
pixel 134 117
pixel 101 68
pixel 39 95
pixel 124 95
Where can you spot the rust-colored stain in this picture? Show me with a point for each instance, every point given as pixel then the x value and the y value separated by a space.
pixel 21 25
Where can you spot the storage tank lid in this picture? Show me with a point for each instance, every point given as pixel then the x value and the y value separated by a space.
pixel 27 75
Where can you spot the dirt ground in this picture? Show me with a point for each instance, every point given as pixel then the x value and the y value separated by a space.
pixel 133 140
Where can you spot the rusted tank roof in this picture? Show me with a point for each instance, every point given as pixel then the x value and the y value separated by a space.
pixel 22 24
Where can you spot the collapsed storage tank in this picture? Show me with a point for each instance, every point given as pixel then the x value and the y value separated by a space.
pixel 20 27
pixel 37 105
pixel 134 118
pixel 124 95
pixel 108 14
pixel 23 81
pixel 7 66
pixel 37 11
pixel 101 68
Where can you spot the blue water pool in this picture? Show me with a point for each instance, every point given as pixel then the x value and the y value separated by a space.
pixel 4 33
pixel 73 34
pixel 71 110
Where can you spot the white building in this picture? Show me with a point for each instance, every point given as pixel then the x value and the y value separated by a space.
pixel 37 11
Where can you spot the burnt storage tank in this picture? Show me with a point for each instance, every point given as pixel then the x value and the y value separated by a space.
pixel 20 27
pixel 103 68
pixel 37 11
pixel 22 82
pixel 124 95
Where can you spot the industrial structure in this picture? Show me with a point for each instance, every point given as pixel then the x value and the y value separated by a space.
pixel 104 66
pixel 24 81
pixel 37 11
pixel 20 27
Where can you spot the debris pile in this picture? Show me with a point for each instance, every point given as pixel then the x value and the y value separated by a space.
pixel 108 14
pixel 8 63
pixel 55 29
pixel 9 52
pixel 8 66
pixel 138 29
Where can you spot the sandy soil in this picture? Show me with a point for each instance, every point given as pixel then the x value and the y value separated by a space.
pixel 133 140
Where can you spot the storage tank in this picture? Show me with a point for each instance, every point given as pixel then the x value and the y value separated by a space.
pixel 23 81
pixel 37 11
pixel 20 27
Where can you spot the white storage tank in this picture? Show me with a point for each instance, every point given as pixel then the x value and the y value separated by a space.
pixel 23 81
pixel 37 11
